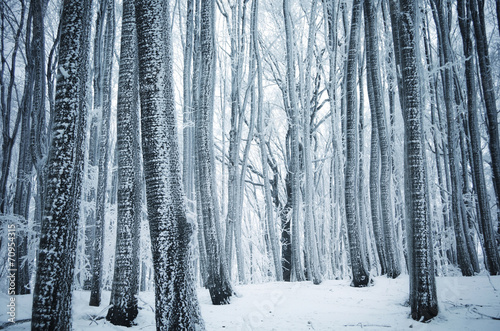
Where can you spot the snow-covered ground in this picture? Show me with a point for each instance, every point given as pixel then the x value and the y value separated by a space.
pixel 464 303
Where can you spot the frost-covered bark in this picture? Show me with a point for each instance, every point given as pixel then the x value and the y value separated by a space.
pixel 56 258
pixel 297 272
pixel 261 128
pixel 477 13
pixel 104 137
pixel 485 219
pixel 311 246
pixel 359 272
pixel 126 274
pixel 176 303
pixel 458 212
pixel 423 299
pixel 377 104
pixel 218 279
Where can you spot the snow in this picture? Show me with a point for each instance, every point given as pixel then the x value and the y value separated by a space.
pixel 464 302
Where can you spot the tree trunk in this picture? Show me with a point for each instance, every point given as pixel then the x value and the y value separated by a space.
pixel 176 302
pixel 126 274
pixel 423 299
pixel 371 28
pixel 218 278
pixel 360 275
pixel 104 137
pixel 52 295
pixel 477 14
pixel 485 219
pixel 464 258
pixel 297 272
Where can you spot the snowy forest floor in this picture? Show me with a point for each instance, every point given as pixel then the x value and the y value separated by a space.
pixel 465 303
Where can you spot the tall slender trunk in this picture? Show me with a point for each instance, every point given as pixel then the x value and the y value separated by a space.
pixel 360 274
pixel 464 258
pixel 485 219
pixel 297 272
pixel 371 28
pixel 104 138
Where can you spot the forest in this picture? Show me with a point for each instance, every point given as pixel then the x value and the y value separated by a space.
pixel 196 149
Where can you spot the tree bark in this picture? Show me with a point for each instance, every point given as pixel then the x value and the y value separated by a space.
pixel 56 259
pixel 176 302
pixel 423 299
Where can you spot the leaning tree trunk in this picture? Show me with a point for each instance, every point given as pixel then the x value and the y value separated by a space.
pixel 56 259
pixel 423 299
pixel 360 274
pixel 217 281
pixel 126 274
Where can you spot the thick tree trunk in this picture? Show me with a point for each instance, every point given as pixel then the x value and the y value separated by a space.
pixel 56 259
pixel 176 302
pixel 423 300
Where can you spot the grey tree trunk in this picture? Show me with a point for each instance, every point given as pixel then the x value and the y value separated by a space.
pixel 56 259
pixel 176 302
pixel 423 299
pixel 485 219
pixel 360 275
pixel 217 281
pixel 377 104
pixel 309 226
pixel 464 258
pixel 297 272
pixel 104 137
pixel 261 128
pixel 126 274
pixel 477 13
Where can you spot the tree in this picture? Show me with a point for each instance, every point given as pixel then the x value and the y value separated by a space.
pixel 104 83
pixel 297 272
pixel 271 227
pixel 52 295
pixel 361 276
pixel 175 297
pixel 476 8
pixel 217 281
pixel 485 219
pixel 423 299
pixel 126 275
pixel 378 111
